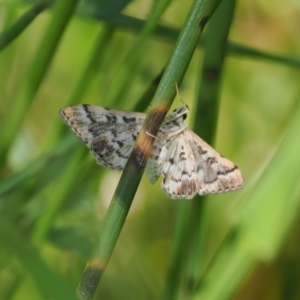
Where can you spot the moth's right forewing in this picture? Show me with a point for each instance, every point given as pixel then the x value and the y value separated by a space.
pixel 84 120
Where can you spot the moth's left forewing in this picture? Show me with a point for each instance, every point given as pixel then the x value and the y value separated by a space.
pixel 191 166
pixel 219 173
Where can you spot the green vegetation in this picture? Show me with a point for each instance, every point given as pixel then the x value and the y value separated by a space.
pixel 243 95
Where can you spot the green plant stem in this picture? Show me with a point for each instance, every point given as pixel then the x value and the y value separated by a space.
pixel 15 30
pixel 63 11
pixel 121 78
pixel 179 252
pixel 206 110
pixel 209 87
pixel 115 217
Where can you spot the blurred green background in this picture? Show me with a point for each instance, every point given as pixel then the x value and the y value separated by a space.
pixel 53 195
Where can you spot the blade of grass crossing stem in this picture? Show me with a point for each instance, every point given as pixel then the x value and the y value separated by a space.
pixel 171 34
pixel 17 181
pixel 16 29
pixel 130 179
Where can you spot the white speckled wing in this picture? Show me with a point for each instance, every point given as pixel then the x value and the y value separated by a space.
pixel 193 167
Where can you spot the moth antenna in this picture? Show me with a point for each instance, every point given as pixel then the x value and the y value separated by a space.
pixel 178 95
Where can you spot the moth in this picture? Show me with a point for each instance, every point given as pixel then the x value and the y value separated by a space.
pixel 188 165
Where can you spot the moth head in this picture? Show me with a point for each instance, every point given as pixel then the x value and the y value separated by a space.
pixel 181 112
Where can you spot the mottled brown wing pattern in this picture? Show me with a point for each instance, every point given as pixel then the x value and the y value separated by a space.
pixel 109 134
pixel 188 165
